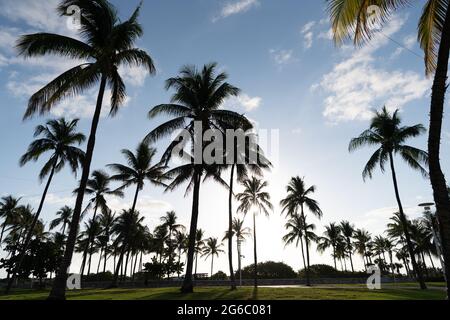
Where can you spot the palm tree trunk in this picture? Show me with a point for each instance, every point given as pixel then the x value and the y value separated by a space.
pixel 303 253
pixel 305 230
pixel 230 230
pixel 99 261
pixel 404 223
pixel 188 284
pixel 105 252
pixel 438 182
pixel 350 254
pixel 58 291
pixel 3 230
pixel 134 267
pixel 239 260
pixel 212 264
pixel 31 228
pixel 255 270
pixel 334 257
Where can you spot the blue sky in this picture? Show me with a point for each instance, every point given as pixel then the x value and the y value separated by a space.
pixel 293 80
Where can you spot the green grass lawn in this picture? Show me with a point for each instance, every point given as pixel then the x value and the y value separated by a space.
pixel 390 292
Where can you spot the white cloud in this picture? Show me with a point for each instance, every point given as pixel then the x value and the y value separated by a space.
pixel 233 8
pixel 282 57
pixel 243 101
pixel 355 86
pixel 297 131
pixel 308 34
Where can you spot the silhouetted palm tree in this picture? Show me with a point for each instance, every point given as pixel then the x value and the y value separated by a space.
pixel 64 217
pixel 331 238
pixel 98 188
pixel 181 240
pixel 199 246
pixel 254 197
pixel 299 197
pixel 59 138
pixel 348 231
pixel 106 44
pixel 128 225
pixel 389 136
pixel 139 170
pixel 8 210
pixel 106 220
pixel 212 248
pixel 197 101
pixel 350 20
pixel 296 234
pixel 362 239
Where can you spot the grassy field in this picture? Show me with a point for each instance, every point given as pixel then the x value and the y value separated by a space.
pixel 405 292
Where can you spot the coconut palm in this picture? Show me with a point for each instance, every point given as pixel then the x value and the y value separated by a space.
pixel 106 220
pixel 127 227
pixel 98 188
pixel 139 170
pixel 254 197
pixel 105 44
pixel 241 233
pixel 64 216
pixel 350 20
pixel 296 234
pixel 298 197
pixel 361 243
pixel 331 238
pixel 199 246
pixel 348 231
pixel 8 211
pixel 212 248
pixel 198 98
pixel 58 137
pixel 389 136
pixel 181 240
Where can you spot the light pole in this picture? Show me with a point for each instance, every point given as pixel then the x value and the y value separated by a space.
pixel 434 222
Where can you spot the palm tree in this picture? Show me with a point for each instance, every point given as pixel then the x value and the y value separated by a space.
pixel 199 246
pixel 240 232
pixel 386 132
pixel 181 245
pixel 296 234
pixel 106 44
pixel 348 231
pixel 139 169
pixel 254 197
pixel 212 248
pixel 350 20
pixel 106 220
pixel 362 240
pixel 64 216
pixel 197 101
pixel 58 137
pixel 299 196
pixel 8 211
pixel 126 228
pixel 332 237
pixel 99 188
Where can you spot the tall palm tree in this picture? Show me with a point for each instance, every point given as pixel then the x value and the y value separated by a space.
pixel 362 240
pixel 59 137
pixel 348 231
pixel 198 98
pixel 98 188
pixel 180 245
pixel 106 44
pixel 389 136
pixel 127 227
pixel 199 246
pixel 212 248
pixel 296 234
pixel 350 20
pixel 298 197
pixel 106 220
pixel 139 170
pixel 8 210
pixel 254 197
pixel 169 221
pixel 331 238
pixel 241 233
pixel 64 216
